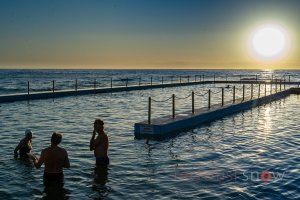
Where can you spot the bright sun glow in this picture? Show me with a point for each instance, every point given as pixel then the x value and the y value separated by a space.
pixel 269 42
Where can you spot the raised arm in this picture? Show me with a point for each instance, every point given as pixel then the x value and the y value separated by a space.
pixel 92 141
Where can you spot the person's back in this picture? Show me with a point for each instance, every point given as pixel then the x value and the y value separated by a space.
pixel 55 159
pixel 102 147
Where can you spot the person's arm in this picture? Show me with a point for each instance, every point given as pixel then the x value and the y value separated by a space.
pixel 38 162
pixel 30 144
pixel 92 141
pixel 21 143
pixel 67 162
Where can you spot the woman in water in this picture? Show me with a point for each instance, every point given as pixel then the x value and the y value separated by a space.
pixel 25 145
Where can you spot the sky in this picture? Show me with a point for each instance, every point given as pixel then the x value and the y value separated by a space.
pixel 173 34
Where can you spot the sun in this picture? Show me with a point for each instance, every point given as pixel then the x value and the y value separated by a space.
pixel 269 42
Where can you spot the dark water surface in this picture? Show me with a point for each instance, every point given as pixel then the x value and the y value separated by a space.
pixel 222 160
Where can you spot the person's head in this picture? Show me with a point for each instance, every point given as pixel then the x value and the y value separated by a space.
pixel 56 138
pixel 28 134
pixel 98 125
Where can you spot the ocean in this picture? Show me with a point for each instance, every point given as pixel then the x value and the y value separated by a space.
pixel 224 159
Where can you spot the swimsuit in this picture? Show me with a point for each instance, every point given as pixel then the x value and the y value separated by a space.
pixel 53 179
pixel 102 160
pixel 24 150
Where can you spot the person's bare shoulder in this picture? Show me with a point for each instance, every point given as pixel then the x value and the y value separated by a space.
pixel 64 151
pixel 105 136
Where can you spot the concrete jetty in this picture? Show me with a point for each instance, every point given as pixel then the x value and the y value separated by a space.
pixel 66 93
pixel 167 126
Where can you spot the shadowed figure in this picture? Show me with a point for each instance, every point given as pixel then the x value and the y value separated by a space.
pixel 25 145
pixel 99 144
pixel 55 159
pixel 100 147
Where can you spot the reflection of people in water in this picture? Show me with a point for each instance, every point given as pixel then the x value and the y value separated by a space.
pixel 100 144
pixel 55 192
pixel 101 172
pixel 55 159
pixel 25 145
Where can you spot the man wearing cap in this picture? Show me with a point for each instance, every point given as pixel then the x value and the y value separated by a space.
pixel 25 145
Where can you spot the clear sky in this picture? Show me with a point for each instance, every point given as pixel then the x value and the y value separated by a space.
pixel 141 34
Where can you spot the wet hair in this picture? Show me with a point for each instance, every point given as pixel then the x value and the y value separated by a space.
pixel 56 138
pixel 99 121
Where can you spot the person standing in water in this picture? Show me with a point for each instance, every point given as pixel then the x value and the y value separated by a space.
pixel 55 159
pixel 99 144
pixel 25 145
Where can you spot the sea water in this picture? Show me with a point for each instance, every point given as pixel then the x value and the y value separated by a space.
pixel 221 160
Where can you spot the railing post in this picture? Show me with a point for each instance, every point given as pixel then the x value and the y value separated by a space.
pixel 271 87
pixel 258 90
pixel 233 92
pixel 53 86
pixel 149 110
pixel 76 85
pixel 243 92
pixel 265 89
pixel 162 80
pixel 111 82
pixel 272 78
pixel 251 94
pixel 28 88
pixel 173 106
pixel 222 96
pixel 280 85
pixel 193 102
pixel 209 96
pixel 151 80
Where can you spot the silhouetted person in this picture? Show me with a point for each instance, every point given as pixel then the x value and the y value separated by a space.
pixel 25 145
pixel 100 143
pixel 55 159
